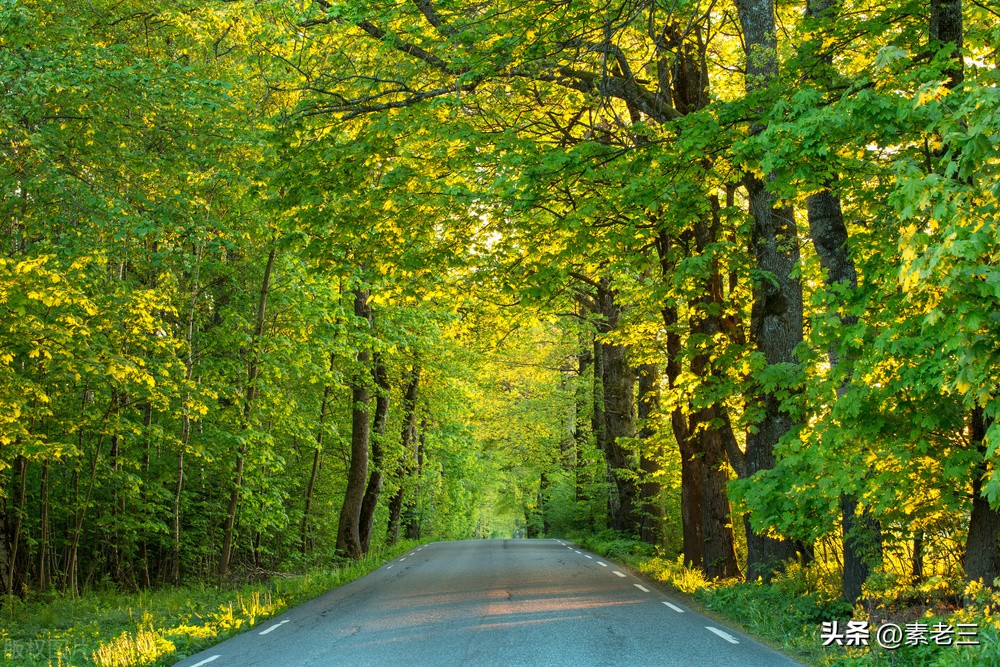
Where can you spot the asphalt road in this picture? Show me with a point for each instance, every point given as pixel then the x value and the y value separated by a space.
pixel 492 602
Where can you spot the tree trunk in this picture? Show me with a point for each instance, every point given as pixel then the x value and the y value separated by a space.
pixel 348 533
pixel 708 425
pixel 370 501
pixel 175 573
pixel 395 514
pixel 253 370
pixel 691 463
pixel 43 539
pixel 650 489
pixel 407 439
pixel 314 472
pixel 917 562
pixel 946 27
pixel 619 406
pixel 861 533
pixel 581 432
pixel 415 514
pixel 617 388
pixel 982 544
pixel 776 313
pixel 15 569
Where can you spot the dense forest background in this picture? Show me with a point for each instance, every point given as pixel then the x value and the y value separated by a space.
pixel 284 281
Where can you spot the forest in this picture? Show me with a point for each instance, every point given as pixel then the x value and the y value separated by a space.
pixel 285 282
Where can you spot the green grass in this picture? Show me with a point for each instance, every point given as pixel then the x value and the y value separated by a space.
pixel 111 629
pixel 788 612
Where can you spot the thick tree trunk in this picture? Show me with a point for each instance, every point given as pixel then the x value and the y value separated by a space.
pixel 619 406
pixel 374 490
pixel 691 463
pixel 708 426
pixel 617 412
pixel 348 533
pixel 776 313
pixel 253 370
pixel 982 544
pixel 946 27
pixel 650 489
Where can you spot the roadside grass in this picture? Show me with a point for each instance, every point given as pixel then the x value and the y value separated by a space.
pixel 159 627
pixel 788 613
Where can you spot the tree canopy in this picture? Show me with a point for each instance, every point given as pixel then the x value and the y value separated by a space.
pixel 283 281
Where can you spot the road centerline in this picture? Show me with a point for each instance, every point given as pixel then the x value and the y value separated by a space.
pixel 641 588
pixel 273 627
pixel 725 635
pixel 617 573
pixel 674 607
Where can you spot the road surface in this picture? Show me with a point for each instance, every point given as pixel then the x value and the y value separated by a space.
pixel 495 603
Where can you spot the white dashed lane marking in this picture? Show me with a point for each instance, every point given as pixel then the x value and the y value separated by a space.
pixel 602 564
pixel 388 567
pixel 206 661
pixel 402 559
pixel 273 627
pixel 641 588
pixel 674 607
pixel 590 557
pixel 618 573
pixel 725 635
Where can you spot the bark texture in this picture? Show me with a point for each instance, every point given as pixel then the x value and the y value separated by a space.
pixel 376 476
pixel 776 314
pixel 982 544
pixel 348 531
pixel 618 385
pixel 650 489
pixel 407 439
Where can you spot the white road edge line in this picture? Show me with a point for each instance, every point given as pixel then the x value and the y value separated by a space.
pixel 674 607
pixel 388 567
pixel 206 661
pixel 273 627
pixel 641 588
pixel 579 552
pixel 725 635
pixel 602 564
pixel 618 573
pixel 402 559
pixel 590 557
